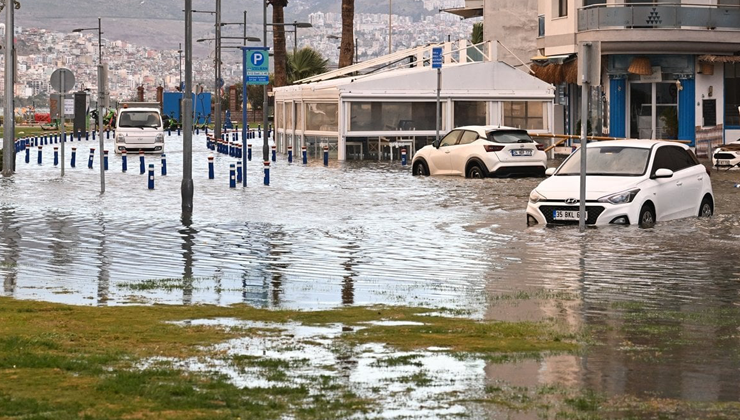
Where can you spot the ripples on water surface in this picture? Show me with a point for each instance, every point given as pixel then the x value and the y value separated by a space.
pixel 367 233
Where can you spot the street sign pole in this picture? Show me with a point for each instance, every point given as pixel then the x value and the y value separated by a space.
pixel 437 64
pixel 102 89
pixel 62 81
pixel 9 123
pixel 245 123
pixel 256 72
pixel 585 57
pixel 62 97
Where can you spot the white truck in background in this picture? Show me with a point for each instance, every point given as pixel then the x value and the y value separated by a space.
pixel 139 127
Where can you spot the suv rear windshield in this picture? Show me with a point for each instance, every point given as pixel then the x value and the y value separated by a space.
pixel 139 119
pixel 509 136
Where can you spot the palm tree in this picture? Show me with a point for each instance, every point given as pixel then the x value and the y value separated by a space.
pixel 346 53
pixel 306 62
pixel 278 39
pixel 477 35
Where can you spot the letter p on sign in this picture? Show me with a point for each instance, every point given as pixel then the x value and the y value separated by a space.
pixel 257 58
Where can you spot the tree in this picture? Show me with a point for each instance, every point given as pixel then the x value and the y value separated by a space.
pixel 306 62
pixel 477 36
pixel 347 48
pixel 278 40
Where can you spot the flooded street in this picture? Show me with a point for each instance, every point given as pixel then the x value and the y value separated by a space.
pixel 662 304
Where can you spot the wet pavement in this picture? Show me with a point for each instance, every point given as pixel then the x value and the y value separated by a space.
pixel 661 304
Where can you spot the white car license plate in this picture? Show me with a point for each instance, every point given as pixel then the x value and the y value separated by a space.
pixel 723 163
pixel 521 152
pixel 565 215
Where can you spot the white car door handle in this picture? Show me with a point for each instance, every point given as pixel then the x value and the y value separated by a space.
pixel 701 178
pixel 447 152
pixel 679 184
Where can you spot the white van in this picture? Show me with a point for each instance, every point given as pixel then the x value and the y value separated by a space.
pixel 139 127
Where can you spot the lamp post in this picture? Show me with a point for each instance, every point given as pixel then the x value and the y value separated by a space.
pixel 179 51
pixel 217 82
pixel 186 187
pixel 390 25
pixel 339 37
pixel 9 53
pixel 265 103
pixel 295 26
pixel 244 24
pixel 101 98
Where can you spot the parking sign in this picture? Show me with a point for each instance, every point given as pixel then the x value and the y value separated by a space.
pixel 256 65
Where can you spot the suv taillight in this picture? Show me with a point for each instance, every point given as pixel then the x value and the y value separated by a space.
pixel 492 148
pixel 540 146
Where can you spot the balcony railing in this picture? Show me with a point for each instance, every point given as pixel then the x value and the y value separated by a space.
pixel 661 15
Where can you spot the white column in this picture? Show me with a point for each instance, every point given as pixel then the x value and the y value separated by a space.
pixel 342 132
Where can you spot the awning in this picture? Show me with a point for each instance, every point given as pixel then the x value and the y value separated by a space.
pixel 557 73
pixel 551 58
pixel 466 12
pixel 707 58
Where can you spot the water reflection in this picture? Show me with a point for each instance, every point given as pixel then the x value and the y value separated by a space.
pixel 187 232
pixel 11 238
pixel 103 264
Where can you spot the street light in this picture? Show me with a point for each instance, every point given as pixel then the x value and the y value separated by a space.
pixel 295 26
pixel 179 51
pixel 244 24
pixel 101 97
pixel 245 38
pixel 100 39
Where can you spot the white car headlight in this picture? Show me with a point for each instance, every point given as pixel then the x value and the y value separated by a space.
pixel 160 138
pixel 535 197
pixel 120 139
pixel 620 197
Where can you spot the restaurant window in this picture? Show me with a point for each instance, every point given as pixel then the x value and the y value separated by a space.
pixel 470 113
pixel 389 116
pixel 279 115
pixel 528 115
pixel 322 116
pixel 732 94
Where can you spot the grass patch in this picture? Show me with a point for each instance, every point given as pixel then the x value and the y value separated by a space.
pixel 59 361
pixel 167 284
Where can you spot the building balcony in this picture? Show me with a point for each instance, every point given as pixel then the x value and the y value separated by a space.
pixel 662 16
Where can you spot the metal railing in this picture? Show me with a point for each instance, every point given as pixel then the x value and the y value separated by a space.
pixel 658 15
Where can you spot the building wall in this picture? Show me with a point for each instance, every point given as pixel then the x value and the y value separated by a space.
pixel 514 23
pixel 703 84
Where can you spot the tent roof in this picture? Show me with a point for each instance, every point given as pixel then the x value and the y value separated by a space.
pixel 488 79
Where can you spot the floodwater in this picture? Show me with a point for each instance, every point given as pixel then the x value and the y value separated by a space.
pixel 661 303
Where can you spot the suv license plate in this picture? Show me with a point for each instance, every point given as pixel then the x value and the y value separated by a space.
pixel 565 215
pixel 723 163
pixel 521 152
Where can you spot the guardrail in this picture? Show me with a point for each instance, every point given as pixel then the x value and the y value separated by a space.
pixel 660 15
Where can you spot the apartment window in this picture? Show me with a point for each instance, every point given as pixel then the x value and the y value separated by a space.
pixel 732 94
pixel 729 2
pixel 593 2
pixel 562 9
pixel 540 26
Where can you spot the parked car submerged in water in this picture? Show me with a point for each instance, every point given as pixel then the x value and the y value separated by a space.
pixel 139 128
pixel 727 156
pixel 627 182
pixel 480 152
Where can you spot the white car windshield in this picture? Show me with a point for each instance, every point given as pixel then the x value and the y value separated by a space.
pixel 509 136
pixel 139 119
pixel 608 161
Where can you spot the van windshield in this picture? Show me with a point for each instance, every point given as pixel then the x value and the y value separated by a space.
pixel 139 119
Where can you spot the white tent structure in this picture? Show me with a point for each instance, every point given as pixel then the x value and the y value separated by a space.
pixel 368 116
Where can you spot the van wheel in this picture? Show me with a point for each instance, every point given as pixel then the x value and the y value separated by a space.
pixel 474 171
pixel 647 216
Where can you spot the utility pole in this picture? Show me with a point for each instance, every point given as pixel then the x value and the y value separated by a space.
pixel 186 115
pixel 217 117
pixel 390 25
pixel 9 115
pixel 265 103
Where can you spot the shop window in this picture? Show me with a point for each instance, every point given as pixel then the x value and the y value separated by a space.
pixel 528 115
pixel 732 94
pixel 279 115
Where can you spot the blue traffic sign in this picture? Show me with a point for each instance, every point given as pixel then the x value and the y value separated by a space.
pixel 256 65
pixel 437 57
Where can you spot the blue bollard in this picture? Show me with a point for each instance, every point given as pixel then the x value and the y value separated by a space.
pixel 56 156
pixel 73 161
pixel 259 129
pixel 93 135
pixel 90 161
pixel 326 155
pixel 107 134
pixel 206 131
pixel 267 173
pixel 71 137
pixel 151 176
pixel 238 150
pixel 124 161
pixel 232 176
pixel 210 167
pixel 274 153
pixel 197 131
pixel 178 131
pixel 169 132
pixel 403 157
pixel 79 136
pixel 231 148
pixel 87 135
pixel 290 154
pixel 236 136
pixel 28 152
pixel 164 164
pixel 239 171
pixel 304 155
pixel 249 152
pixel 40 154
pixel 105 159
pixel 142 166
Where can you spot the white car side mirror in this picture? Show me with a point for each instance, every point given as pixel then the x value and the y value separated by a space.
pixel 550 171
pixel 663 173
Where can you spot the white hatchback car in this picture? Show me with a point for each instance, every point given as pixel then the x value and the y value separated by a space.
pixel 482 151
pixel 628 181
pixel 727 156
